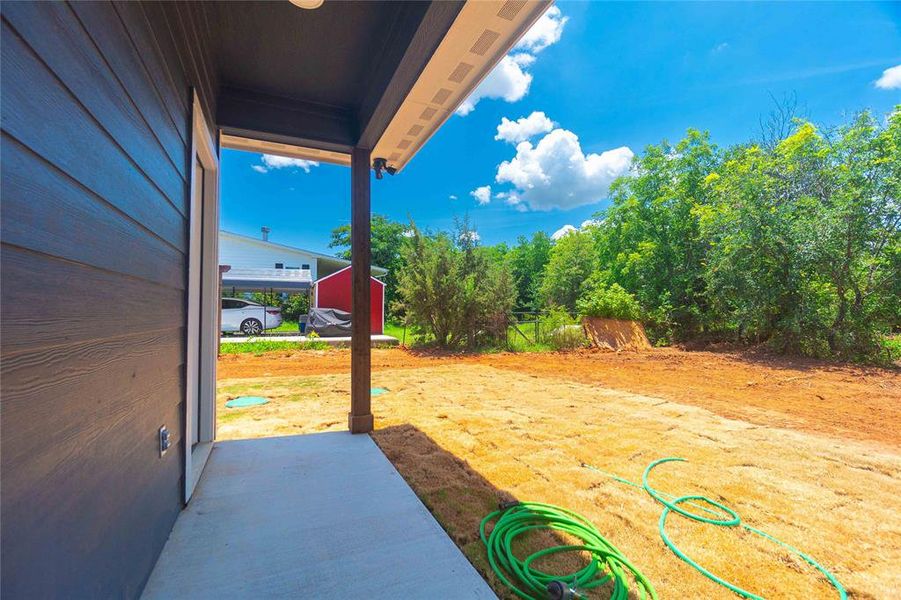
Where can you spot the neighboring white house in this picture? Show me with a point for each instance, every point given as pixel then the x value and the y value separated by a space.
pixel 258 262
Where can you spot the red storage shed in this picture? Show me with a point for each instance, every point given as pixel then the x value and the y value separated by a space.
pixel 334 291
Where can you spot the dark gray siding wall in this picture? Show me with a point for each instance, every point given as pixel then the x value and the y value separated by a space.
pixel 96 122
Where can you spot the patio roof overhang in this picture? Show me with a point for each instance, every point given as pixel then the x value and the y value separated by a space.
pixel 380 75
pixel 350 82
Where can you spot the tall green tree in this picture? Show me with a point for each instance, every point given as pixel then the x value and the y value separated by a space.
pixel 528 259
pixel 856 248
pixel 805 238
pixel 753 270
pixel 387 237
pixel 457 292
pixel 569 267
pixel 648 241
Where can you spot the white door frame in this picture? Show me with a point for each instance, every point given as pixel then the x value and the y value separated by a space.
pixel 203 302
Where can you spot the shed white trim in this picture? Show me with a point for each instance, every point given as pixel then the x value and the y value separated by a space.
pixel 379 281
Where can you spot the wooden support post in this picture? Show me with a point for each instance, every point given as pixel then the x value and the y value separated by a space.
pixel 360 418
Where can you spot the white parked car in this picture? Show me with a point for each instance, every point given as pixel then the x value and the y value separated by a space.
pixel 249 317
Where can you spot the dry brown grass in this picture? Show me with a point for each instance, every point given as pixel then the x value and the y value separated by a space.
pixel 465 435
pixel 845 401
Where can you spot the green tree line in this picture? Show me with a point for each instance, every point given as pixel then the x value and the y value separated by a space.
pixel 792 240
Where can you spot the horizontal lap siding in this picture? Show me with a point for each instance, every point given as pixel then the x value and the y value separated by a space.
pixel 95 157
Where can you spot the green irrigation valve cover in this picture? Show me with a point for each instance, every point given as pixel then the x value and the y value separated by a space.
pixel 378 391
pixel 242 401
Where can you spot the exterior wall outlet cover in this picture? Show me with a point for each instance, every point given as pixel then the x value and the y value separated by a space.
pixel 165 441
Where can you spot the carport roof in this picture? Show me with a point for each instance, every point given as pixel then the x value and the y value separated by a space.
pixel 332 262
pixel 250 285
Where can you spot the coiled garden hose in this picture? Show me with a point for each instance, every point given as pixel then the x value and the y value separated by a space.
pixel 723 516
pixel 607 562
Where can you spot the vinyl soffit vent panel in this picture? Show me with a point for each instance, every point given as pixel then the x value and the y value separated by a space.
pixel 481 35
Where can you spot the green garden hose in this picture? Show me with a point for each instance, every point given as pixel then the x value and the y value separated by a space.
pixel 723 516
pixel 606 564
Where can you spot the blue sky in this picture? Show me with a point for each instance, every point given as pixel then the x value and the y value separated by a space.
pixel 609 78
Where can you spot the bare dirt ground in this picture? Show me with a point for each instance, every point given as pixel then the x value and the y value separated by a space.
pixel 861 403
pixel 808 452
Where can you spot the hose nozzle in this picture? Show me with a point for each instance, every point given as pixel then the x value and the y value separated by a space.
pixel 559 590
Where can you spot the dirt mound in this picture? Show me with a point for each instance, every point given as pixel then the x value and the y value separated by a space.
pixel 616 334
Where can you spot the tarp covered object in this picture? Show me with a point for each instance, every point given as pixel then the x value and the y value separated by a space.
pixel 329 322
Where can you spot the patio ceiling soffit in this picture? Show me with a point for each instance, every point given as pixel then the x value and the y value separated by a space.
pixel 415 97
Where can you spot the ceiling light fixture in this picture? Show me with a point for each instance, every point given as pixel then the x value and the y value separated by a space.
pixel 307 4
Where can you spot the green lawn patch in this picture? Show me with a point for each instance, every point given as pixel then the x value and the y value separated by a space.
pixel 410 339
pixel 260 346
pixel 286 326
pixel 892 347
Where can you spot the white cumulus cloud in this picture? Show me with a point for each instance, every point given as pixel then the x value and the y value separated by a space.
pixel 470 236
pixel 891 79
pixel 482 194
pixel 453 196
pixel 271 161
pixel 565 230
pixel 556 173
pixel 523 128
pixel 510 79
pixel 545 32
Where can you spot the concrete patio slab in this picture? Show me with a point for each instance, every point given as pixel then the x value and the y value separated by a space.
pixel 311 516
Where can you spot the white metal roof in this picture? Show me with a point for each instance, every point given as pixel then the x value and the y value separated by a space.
pixel 378 271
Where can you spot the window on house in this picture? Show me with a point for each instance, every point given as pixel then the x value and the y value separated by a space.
pixel 305 267
pixel 279 265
